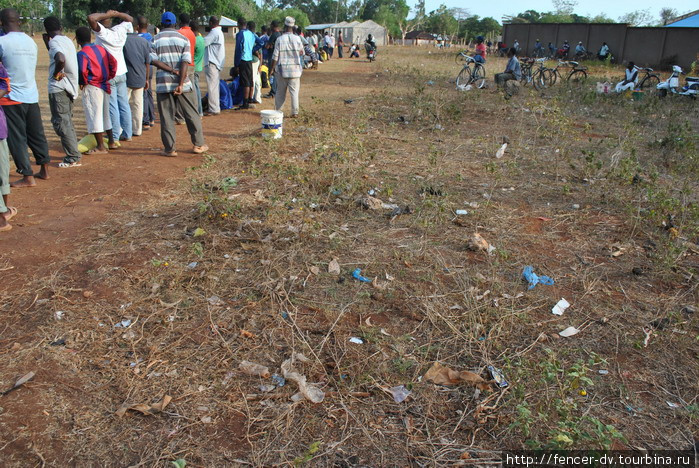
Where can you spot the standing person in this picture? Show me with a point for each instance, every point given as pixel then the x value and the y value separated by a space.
pixel 340 45
pixel 137 57
pixel 603 51
pixel 286 66
pixel 97 68
pixel 18 53
pixel 274 35
pixel 513 71
pixel 331 45
pixel 172 57
pixel 214 59
pixel 113 38
pixel 246 44
pixel 148 105
pixel 63 88
pixel 7 212
pixel 199 47
pixel 187 32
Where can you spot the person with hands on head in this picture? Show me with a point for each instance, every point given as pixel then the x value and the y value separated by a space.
pixel 113 38
pixel 171 55
pixel 63 88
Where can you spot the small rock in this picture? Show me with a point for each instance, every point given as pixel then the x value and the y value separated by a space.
pixel 88 294
pixel 576 206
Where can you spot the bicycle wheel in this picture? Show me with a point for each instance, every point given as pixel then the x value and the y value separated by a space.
pixel 649 82
pixel 553 73
pixel 478 76
pixel 577 77
pixel 464 77
pixel 539 79
pixel 460 58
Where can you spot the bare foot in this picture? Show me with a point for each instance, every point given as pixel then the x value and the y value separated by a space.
pixel 26 181
pixel 98 151
pixel 43 173
pixel 4 225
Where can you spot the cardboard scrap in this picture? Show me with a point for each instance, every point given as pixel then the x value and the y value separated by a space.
pixel 145 409
pixel 442 375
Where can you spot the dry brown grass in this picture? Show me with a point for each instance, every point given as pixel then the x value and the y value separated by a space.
pixel 265 250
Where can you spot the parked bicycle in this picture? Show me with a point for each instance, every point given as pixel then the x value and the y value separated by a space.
pixel 576 75
pixel 534 71
pixel 469 75
pixel 650 79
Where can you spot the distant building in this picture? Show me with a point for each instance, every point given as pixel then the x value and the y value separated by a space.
pixel 419 38
pixel 690 20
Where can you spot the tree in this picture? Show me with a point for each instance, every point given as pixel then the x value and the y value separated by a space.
pixel 392 16
pixel 667 15
pixel 564 7
pixel 441 21
pixel 267 16
pixel 637 18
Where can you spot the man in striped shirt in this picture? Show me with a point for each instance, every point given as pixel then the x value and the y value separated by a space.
pixel 286 66
pixel 96 67
pixel 172 56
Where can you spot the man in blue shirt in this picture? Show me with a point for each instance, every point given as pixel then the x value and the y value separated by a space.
pixel 513 71
pixel 246 43
pixel 18 52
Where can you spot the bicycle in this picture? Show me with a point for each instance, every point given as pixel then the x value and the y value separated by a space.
pixel 650 80
pixel 576 75
pixel 541 77
pixel 467 75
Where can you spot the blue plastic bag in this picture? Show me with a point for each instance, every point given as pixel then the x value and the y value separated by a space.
pixel 357 274
pixel 533 279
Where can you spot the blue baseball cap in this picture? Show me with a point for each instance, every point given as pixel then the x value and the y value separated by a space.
pixel 168 19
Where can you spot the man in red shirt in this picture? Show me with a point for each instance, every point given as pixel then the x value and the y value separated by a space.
pixel 481 50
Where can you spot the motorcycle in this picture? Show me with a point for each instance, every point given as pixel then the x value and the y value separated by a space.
pixel 672 85
pixel 371 52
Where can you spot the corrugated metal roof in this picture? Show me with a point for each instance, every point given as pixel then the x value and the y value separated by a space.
pixel 691 22
pixel 315 27
pixel 225 21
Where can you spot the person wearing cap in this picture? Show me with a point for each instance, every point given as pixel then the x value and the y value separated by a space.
pixel 481 51
pixel 286 66
pixel 580 49
pixel 113 38
pixel 214 58
pixel 171 55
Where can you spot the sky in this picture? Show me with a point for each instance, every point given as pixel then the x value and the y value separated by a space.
pixel 613 9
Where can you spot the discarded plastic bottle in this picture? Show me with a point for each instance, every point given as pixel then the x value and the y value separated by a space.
pixel 251 368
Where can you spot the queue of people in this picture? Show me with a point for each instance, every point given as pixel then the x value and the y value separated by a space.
pixel 113 72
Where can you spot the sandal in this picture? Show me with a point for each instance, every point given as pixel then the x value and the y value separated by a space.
pixel 171 154
pixel 5 228
pixel 200 149
pixel 70 164
pixel 13 212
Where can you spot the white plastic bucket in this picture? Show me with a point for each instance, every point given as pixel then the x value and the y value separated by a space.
pixel 272 121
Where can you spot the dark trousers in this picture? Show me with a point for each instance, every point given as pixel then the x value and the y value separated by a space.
pixel 339 51
pixel 25 130
pixel 61 105
pixel 167 106
pixel 148 107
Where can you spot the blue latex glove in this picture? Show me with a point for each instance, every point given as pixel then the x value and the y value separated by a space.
pixel 533 279
pixel 357 274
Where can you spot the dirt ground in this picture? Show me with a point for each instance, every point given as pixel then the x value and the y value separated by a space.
pixel 127 283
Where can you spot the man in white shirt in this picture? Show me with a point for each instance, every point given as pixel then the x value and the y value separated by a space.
pixel 286 66
pixel 63 88
pixel 628 83
pixel 113 38
pixel 214 59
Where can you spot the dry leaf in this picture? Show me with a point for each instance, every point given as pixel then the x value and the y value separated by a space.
pixel 334 267
pixel 442 375
pixel 246 334
pixel 146 410
pixel 315 270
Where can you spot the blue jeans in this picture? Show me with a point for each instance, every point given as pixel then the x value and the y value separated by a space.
pixel 479 58
pixel 119 110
